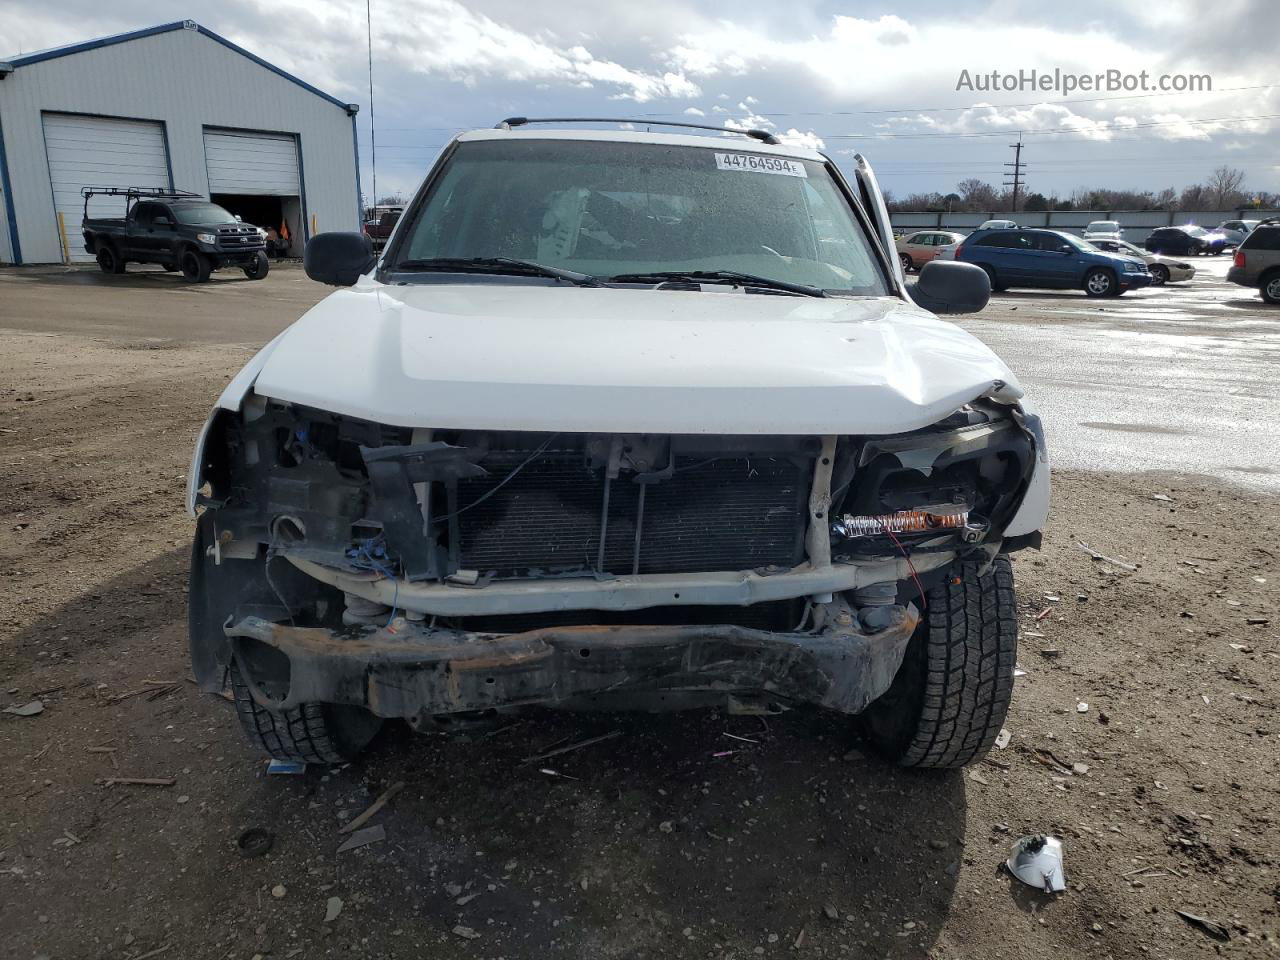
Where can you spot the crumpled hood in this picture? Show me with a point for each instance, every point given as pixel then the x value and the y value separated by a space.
pixel 520 356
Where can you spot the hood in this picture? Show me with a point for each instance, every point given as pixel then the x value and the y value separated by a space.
pixel 521 356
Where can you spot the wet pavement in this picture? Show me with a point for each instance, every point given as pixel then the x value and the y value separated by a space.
pixel 1182 378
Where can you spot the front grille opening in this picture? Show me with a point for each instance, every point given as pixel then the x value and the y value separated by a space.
pixel 729 512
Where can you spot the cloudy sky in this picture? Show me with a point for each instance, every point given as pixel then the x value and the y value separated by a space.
pixel 849 76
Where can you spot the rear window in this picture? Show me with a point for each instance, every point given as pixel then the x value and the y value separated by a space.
pixel 1264 238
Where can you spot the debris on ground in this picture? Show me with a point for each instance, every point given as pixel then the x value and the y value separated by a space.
pixel 1213 929
pixel 287 768
pixel 332 907
pixel 590 741
pixel 362 838
pixel 139 781
pixel 26 709
pixel 1104 558
pixel 1003 738
pixel 255 842
pixel 358 822
pixel 831 912
pixel 278 891
pixel 1037 862
pixel 466 933
pixel 1082 707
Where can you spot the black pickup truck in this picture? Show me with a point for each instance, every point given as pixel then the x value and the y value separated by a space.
pixel 179 231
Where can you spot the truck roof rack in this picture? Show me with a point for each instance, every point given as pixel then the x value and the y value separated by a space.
pixel 764 136
pixel 135 192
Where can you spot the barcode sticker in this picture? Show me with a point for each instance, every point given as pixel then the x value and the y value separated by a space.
pixel 760 163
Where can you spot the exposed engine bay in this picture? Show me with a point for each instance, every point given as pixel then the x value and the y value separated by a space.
pixel 328 540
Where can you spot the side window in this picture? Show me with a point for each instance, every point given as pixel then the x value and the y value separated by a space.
pixel 144 213
pixel 1263 238
pixel 996 240
pixel 1050 243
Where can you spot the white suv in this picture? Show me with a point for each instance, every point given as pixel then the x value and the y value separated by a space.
pixel 619 420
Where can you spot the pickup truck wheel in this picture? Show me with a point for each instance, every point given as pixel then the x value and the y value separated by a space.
pixel 309 733
pixel 259 268
pixel 1271 287
pixel 108 260
pixel 949 699
pixel 195 266
pixel 1101 282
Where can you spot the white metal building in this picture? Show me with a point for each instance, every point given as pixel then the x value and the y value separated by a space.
pixel 175 107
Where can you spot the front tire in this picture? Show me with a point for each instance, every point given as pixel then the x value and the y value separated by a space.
pixel 1159 274
pixel 259 268
pixel 308 733
pixel 1101 282
pixel 907 264
pixel 950 697
pixel 195 266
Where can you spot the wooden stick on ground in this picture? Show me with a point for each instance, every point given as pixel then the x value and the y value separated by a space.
pixel 374 807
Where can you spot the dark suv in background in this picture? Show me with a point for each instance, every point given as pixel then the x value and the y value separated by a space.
pixel 1047 258
pixel 1187 240
pixel 1257 262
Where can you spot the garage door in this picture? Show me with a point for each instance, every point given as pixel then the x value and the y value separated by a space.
pixel 263 164
pixel 100 152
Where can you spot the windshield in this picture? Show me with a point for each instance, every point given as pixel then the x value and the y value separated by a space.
pixel 608 209
pixel 1104 226
pixel 1195 231
pixel 199 214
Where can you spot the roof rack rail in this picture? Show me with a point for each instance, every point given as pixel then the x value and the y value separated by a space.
pixel 764 136
pixel 135 192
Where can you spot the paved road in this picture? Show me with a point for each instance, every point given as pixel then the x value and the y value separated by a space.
pixel 1183 378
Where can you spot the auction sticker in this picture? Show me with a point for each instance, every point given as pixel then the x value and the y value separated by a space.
pixel 760 163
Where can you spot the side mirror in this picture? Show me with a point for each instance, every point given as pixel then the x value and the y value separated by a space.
pixel 338 259
pixel 949 286
pixel 162 222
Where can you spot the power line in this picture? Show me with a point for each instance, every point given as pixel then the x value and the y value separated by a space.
pixel 998 106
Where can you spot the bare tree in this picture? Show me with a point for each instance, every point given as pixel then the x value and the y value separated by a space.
pixel 977 194
pixel 1224 187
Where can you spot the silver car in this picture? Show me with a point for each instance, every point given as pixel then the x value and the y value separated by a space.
pixel 1162 269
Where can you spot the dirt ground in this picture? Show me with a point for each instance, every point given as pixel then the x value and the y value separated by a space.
pixel 647 845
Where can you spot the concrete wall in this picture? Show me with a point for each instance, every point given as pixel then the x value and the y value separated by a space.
pixel 188 81
pixel 1136 223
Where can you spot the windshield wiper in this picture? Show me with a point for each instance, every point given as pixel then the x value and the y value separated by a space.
pixel 720 276
pixel 500 266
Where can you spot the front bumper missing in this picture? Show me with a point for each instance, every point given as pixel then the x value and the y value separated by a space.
pixel 409 670
pixel 729 588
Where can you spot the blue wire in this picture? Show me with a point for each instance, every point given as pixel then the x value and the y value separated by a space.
pixel 363 557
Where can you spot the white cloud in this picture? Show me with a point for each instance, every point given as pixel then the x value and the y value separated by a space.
pixel 694 112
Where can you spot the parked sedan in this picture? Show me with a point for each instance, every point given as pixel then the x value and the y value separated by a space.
pixel 1187 240
pixel 1236 230
pixel 917 249
pixel 1162 269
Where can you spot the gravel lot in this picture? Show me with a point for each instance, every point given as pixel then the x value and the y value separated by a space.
pixel 796 843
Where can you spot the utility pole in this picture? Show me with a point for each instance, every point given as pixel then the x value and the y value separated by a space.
pixel 1018 166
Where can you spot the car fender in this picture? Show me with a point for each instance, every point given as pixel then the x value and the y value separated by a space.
pixel 1034 509
pixel 231 400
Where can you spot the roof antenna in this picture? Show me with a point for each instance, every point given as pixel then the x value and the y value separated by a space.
pixel 373 136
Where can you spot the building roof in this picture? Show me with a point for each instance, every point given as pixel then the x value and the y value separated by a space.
pixel 14 63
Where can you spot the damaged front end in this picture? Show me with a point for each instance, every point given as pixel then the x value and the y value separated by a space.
pixel 425 574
